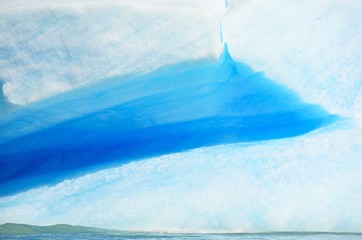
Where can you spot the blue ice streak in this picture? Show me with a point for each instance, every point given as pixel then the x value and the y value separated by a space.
pixel 130 118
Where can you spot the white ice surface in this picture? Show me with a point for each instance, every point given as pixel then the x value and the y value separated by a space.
pixel 47 49
pixel 215 6
pixel 314 47
pixel 310 183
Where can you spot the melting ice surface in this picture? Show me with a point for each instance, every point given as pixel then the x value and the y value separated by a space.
pixel 178 135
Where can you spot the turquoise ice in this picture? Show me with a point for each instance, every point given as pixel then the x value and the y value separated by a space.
pixel 134 116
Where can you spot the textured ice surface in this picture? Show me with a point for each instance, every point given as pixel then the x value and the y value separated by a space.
pixel 47 49
pixel 306 183
pixel 314 47
pixel 214 6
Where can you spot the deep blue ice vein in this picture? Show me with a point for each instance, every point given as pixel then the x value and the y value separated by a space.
pixel 172 110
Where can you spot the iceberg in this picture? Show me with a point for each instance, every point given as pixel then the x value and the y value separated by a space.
pixel 182 116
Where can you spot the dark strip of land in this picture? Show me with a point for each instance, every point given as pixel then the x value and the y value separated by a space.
pixel 24 229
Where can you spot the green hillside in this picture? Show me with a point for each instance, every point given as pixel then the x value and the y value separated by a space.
pixel 21 229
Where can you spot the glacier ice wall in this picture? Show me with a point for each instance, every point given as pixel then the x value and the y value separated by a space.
pixel 312 47
pixel 310 182
pixel 50 48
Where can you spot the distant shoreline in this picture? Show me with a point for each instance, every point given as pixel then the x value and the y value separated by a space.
pixel 25 229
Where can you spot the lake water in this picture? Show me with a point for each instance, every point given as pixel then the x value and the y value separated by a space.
pixel 263 236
